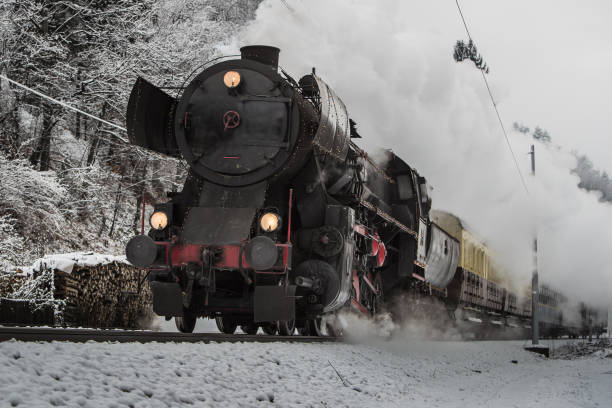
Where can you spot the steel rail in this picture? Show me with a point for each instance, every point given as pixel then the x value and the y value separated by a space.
pixel 37 334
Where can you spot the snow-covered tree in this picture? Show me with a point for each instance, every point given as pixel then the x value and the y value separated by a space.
pixel 541 135
pixel 88 53
pixel 463 51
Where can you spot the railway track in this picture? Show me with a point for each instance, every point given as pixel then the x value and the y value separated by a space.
pixel 34 334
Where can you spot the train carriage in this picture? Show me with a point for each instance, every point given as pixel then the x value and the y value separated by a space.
pixel 482 291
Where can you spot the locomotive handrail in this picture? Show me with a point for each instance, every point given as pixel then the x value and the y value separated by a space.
pixel 363 154
pixel 388 218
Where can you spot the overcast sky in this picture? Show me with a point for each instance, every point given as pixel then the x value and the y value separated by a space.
pixel 551 65
pixel 550 60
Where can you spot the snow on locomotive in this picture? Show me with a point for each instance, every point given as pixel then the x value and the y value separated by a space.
pixel 282 220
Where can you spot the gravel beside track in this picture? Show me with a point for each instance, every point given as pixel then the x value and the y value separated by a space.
pixel 124 336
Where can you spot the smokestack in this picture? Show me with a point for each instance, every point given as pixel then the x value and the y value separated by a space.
pixel 261 53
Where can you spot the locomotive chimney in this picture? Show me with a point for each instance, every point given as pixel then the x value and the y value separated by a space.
pixel 261 53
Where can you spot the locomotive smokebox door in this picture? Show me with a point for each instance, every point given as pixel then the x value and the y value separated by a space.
pixel 274 303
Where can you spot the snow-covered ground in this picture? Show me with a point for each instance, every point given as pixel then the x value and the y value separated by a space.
pixel 395 373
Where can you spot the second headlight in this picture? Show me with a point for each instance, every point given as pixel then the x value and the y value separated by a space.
pixel 159 220
pixel 269 222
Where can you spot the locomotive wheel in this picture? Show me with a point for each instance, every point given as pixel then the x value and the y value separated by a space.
pixel 324 327
pixel 187 322
pixel 225 325
pixel 335 328
pixel 269 328
pixel 249 329
pixel 302 328
pixel 317 327
pixel 286 327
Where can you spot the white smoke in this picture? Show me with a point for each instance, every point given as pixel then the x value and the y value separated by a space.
pixel 391 62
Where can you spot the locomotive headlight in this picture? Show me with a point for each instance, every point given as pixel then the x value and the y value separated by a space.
pixel 159 220
pixel 269 222
pixel 231 79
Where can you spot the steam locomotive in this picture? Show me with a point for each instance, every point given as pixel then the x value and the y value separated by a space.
pixel 283 220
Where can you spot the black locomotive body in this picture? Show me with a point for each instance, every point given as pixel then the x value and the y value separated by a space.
pixel 283 220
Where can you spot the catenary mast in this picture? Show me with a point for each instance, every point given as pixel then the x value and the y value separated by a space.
pixel 535 329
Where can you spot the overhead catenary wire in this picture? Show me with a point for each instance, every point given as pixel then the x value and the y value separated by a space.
pixel 136 149
pixel 501 123
pixel 287 5
pixel 64 104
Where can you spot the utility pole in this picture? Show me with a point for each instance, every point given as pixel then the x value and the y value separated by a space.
pixel 610 321
pixel 535 329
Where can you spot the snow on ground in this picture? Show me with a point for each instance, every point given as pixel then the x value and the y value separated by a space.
pixel 384 373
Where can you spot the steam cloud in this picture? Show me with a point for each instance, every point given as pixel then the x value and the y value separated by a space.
pixel 391 62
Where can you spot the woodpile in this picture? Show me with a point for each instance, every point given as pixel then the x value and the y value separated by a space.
pixel 101 296
pixel 104 296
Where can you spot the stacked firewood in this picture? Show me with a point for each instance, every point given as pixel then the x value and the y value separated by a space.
pixel 100 296
pixel 104 296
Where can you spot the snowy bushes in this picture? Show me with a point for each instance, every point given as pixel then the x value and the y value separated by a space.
pixel 32 206
pixel 11 243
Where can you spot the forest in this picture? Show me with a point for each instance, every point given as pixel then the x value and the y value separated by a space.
pixel 70 182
